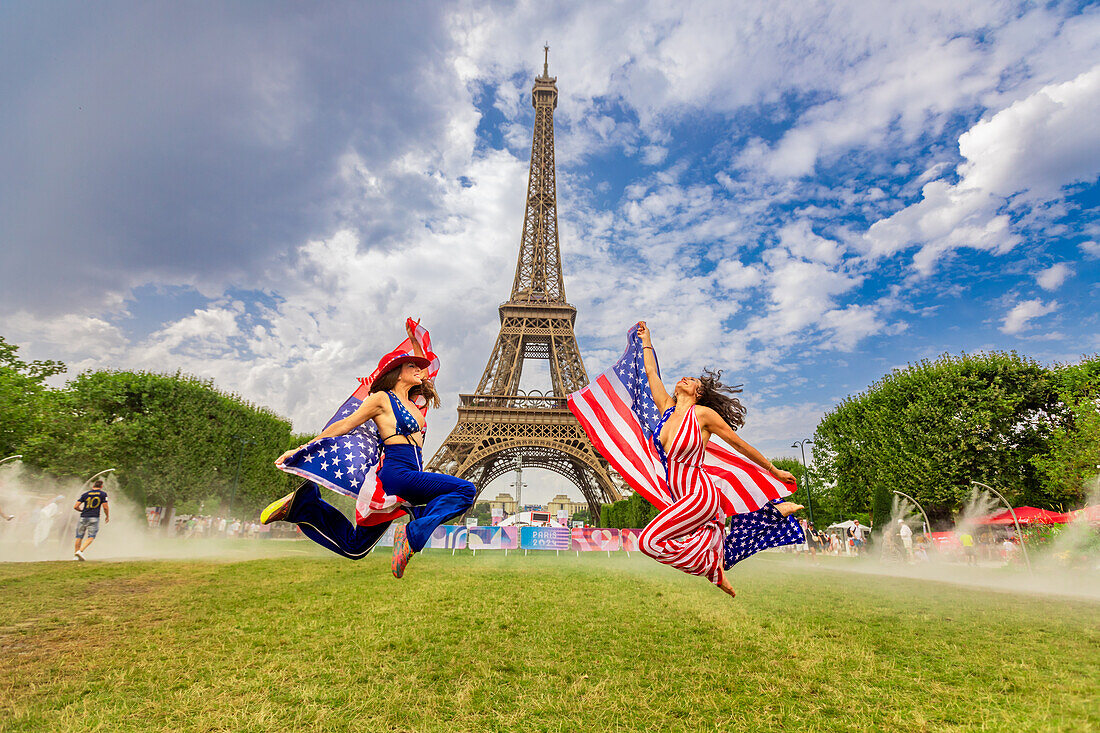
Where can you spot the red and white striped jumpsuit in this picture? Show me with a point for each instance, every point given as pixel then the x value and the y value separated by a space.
pixel 689 533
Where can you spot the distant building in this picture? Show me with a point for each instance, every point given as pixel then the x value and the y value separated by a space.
pixel 561 501
pixel 505 502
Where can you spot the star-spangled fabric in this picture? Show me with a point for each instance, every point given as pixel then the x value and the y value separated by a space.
pixel 348 464
pixel 759 530
pixel 619 416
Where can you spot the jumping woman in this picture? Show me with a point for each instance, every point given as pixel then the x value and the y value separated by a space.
pixel 687 533
pixel 670 461
pixel 388 412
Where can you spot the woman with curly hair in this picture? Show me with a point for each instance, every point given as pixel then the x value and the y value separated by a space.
pixel 688 533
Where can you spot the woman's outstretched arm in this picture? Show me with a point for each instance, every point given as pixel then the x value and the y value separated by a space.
pixel 713 422
pixel 656 386
pixel 371 408
pixel 410 330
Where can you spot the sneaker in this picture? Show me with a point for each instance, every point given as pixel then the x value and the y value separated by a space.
pixel 278 510
pixel 402 553
pixel 78 555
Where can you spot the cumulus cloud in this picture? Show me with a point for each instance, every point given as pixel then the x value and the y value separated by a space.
pixel 1052 277
pixel 1027 152
pixel 1022 314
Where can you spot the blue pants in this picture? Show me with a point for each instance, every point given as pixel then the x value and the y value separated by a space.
pixel 436 498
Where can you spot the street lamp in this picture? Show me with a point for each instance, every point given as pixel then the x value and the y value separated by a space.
pixel 237 476
pixel 1023 545
pixel 801 445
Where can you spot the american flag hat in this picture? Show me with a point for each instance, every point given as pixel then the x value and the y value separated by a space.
pixel 393 359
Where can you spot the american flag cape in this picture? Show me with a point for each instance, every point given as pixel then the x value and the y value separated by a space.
pixel 348 464
pixel 619 415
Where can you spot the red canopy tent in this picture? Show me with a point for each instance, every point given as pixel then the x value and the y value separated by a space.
pixel 1026 515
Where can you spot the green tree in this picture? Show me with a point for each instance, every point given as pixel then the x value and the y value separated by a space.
pixel 172 438
pixel 631 512
pixel 24 397
pixel 1074 446
pixel 931 428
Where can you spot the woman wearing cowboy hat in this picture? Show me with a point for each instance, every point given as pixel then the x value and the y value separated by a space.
pixel 399 424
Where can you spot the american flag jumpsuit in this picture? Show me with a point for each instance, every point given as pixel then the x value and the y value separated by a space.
pixel 689 533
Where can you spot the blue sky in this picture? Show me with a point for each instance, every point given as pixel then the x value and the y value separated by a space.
pixel 804 194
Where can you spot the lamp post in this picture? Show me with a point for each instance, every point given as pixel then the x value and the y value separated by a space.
pixel 237 476
pixel 1023 545
pixel 801 445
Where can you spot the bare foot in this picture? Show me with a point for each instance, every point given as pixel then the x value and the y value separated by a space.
pixel 724 584
pixel 788 508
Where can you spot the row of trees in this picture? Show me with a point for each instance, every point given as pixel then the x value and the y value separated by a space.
pixel 928 430
pixel 175 440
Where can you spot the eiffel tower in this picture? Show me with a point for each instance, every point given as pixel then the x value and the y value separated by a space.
pixel 501 426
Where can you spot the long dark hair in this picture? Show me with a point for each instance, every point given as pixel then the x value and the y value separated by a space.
pixel 719 397
pixel 425 389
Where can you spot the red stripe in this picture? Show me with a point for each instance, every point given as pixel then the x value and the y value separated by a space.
pixel 631 419
pixel 754 502
pixel 596 433
pixel 751 469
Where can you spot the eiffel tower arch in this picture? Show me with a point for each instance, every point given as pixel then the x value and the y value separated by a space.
pixel 500 424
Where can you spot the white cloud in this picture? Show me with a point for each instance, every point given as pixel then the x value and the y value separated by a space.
pixel 1052 277
pixel 801 241
pixel 80 340
pixel 1019 318
pixel 1024 153
pixel 1090 249
pixel 654 154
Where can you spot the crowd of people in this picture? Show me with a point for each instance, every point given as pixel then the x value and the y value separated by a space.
pixel 207 526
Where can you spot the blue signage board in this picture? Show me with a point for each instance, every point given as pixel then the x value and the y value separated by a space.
pixel 544 538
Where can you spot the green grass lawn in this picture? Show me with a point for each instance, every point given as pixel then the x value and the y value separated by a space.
pixel 314 642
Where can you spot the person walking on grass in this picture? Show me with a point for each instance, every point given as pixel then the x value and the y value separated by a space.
pixel 89 505
pixel 383 423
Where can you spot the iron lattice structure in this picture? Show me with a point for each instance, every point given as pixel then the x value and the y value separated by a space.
pixel 501 424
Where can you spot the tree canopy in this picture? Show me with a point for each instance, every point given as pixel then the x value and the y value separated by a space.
pixel 933 427
pixel 171 437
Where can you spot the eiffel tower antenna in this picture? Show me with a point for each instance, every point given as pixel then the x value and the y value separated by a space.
pixel 500 425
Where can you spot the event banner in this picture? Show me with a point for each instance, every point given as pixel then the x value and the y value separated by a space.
pixel 448 537
pixel 544 538
pixel 629 539
pixel 498 515
pixel 492 538
pixel 590 538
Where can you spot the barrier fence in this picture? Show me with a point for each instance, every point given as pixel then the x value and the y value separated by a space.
pixel 587 539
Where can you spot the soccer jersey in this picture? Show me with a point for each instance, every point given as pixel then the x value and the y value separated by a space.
pixel 92 500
